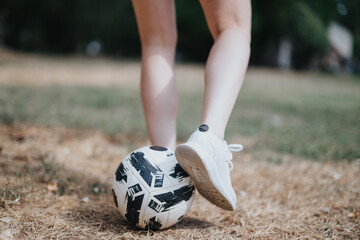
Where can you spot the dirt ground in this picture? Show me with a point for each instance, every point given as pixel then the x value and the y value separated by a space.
pixel 56 181
pixel 56 185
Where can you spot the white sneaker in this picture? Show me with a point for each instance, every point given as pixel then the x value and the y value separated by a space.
pixel 207 159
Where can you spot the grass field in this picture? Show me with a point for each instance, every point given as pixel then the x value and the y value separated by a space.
pixel 66 123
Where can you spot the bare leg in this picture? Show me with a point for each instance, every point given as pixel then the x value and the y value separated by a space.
pixel 157 28
pixel 230 25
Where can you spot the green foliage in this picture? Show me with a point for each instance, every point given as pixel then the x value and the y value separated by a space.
pixel 67 26
pixel 194 36
pixel 308 27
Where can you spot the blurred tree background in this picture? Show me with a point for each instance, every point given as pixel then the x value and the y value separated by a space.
pixel 109 27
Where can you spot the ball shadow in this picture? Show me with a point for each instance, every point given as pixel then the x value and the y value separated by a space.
pixel 102 217
pixel 193 223
pixel 107 219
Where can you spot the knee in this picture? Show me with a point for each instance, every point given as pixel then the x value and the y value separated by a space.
pixel 160 40
pixel 236 30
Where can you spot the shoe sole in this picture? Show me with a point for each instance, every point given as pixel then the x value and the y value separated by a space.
pixel 192 163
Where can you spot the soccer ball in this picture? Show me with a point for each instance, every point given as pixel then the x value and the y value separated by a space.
pixel 150 188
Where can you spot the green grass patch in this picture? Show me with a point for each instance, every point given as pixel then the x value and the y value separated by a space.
pixel 110 109
pixel 313 123
pixel 322 126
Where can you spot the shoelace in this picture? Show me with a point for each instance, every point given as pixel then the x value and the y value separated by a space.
pixel 232 148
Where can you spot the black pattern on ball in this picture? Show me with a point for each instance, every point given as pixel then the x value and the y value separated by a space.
pixel 170 199
pixel 178 173
pixel 155 206
pixel 159 179
pixel 114 197
pixel 134 189
pixel 153 224
pixel 120 174
pixel 145 168
pixel 133 205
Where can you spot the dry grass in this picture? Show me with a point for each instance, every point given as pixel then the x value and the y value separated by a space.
pixel 37 71
pixel 47 173
pixel 53 169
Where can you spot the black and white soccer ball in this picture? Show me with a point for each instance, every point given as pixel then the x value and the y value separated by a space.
pixel 150 188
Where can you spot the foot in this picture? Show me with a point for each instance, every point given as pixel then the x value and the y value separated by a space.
pixel 207 159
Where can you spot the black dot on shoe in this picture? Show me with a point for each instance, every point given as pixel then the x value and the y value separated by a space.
pixel 204 128
pixel 158 148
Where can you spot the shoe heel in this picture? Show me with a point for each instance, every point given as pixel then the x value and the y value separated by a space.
pixel 192 163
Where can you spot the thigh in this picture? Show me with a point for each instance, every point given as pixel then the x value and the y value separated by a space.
pixel 224 14
pixel 156 20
